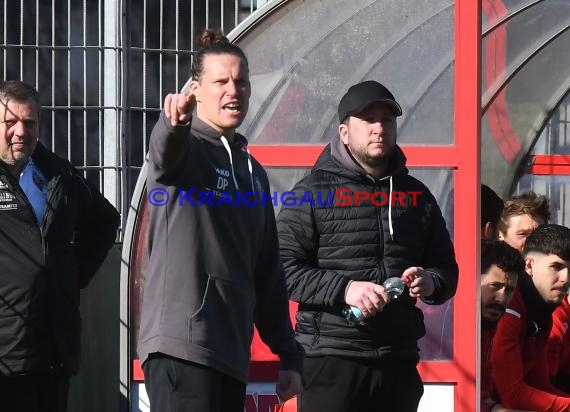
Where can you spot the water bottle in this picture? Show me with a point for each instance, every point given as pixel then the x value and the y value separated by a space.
pixel 394 286
pixel 354 315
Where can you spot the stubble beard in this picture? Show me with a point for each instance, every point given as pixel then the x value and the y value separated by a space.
pixel 377 162
pixel 13 160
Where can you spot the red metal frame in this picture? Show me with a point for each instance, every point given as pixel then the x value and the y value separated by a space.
pixel 467 181
pixel 550 165
pixel 464 157
pixel 305 156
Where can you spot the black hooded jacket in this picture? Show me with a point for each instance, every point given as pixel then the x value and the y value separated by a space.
pixel 43 268
pixel 324 246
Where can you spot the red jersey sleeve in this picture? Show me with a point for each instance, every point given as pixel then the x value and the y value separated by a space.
pixel 557 336
pixel 486 378
pixel 508 365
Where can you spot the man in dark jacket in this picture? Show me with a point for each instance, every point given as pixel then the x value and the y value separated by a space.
pixel 214 267
pixel 55 232
pixel 360 219
pixel 501 266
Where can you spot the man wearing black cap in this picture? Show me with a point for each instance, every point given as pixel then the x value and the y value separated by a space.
pixel 380 223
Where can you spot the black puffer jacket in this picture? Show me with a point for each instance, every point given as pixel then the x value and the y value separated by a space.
pixel 43 268
pixel 323 247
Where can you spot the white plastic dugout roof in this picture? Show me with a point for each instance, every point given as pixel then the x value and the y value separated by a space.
pixel 433 55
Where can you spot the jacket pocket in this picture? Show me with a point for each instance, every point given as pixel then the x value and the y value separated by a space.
pixel 223 324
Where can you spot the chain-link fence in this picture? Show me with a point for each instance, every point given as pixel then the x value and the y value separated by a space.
pixel 102 68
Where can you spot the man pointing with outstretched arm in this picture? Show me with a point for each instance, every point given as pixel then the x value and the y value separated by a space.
pixel 213 271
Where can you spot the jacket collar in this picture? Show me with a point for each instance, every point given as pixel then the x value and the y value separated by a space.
pixel 204 131
pixel 50 164
pixel 539 312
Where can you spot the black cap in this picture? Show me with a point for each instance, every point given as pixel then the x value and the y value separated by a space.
pixel 361 95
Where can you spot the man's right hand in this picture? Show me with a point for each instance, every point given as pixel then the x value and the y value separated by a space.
pixel 369 297
pixel 178 107
pixel 289 384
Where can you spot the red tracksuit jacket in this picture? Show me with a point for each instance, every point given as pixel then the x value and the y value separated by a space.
pixel 486 378
pixel 518 354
